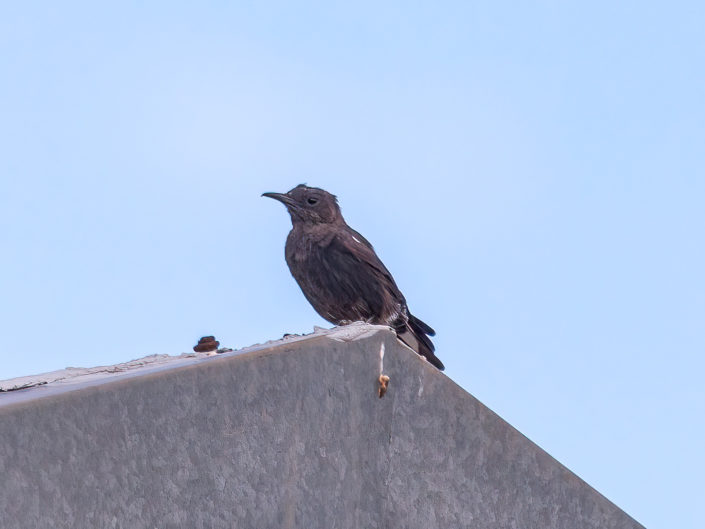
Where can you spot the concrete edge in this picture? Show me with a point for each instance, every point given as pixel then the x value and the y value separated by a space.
pixel 30 388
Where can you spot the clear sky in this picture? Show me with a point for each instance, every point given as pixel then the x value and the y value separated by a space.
pixel 531 173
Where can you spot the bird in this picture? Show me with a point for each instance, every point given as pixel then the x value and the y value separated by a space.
pixel 340 274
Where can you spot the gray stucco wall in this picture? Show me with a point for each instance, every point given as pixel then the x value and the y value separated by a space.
pixel 287 435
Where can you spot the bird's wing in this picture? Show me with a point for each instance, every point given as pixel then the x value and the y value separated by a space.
pixel 344 280
pixel 361 249
pixel 363 260
pixel 349 282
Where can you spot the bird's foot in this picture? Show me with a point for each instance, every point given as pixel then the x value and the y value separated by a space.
pixel 351 322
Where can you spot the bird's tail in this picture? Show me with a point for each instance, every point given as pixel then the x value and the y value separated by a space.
pixel 416 334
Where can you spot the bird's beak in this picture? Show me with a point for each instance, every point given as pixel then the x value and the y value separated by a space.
pixel 281 197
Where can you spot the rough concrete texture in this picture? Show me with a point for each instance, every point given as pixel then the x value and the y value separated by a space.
pixel 287 435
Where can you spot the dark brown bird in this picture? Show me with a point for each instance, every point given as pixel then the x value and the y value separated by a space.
pixel 340 273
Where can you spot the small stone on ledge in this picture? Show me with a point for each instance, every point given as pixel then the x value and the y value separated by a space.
pixel 206 345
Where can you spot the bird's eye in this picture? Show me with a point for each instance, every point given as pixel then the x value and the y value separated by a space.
pixel 312 201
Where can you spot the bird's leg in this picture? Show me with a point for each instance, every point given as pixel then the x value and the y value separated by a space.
pixel 350 322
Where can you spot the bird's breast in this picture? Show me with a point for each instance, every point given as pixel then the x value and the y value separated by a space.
pixel 305 246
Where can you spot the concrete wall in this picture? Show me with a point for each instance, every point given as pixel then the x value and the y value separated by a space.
pixel 287 435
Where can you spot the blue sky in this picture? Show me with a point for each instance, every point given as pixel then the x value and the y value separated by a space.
pixel 531 174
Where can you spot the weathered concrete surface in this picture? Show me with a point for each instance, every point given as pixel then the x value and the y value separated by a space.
pixel 286 435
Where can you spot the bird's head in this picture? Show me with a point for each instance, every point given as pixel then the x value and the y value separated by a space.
pixel 309 205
